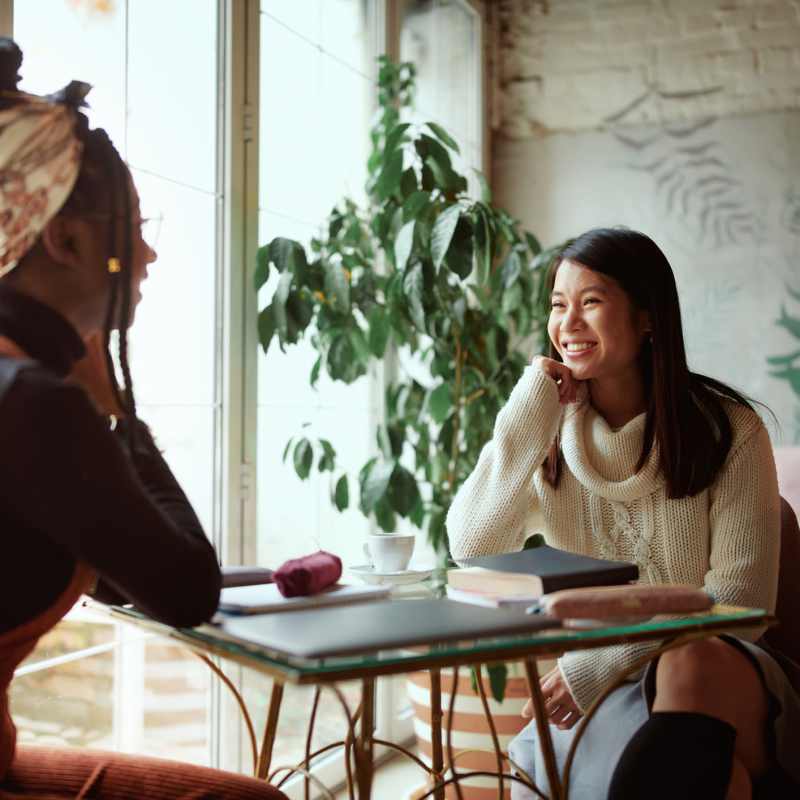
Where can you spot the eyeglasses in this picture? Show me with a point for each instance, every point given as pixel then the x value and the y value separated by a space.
pixel 149 226
pixel 150 229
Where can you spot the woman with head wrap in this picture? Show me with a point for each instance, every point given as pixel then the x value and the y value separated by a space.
pixel 87 503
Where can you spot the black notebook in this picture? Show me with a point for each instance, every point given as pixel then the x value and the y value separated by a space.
pixel 544 570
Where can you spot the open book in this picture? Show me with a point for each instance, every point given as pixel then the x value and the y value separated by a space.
pixel 517 578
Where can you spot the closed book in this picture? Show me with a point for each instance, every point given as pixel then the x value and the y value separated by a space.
pixel 490 599
pixel 540 570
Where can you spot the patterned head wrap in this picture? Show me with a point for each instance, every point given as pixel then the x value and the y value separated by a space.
pixel 40 158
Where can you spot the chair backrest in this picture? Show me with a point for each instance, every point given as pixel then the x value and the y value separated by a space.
pixel 785 637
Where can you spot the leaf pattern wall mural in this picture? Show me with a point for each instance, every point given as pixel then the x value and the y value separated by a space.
pixel 787 367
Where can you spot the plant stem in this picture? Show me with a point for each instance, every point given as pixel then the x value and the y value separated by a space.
pixel 454 446
pixel 474 396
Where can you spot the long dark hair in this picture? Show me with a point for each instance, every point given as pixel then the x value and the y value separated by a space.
pixel 101 189
pixel 686 419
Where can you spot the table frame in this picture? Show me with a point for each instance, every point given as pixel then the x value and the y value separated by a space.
pixel 359 742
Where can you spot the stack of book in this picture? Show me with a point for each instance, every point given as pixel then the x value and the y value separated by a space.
pixel 520 579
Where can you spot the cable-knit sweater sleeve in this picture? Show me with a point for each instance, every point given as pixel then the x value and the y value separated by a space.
pixel 745 520
pixel 744 530
pixel 488 514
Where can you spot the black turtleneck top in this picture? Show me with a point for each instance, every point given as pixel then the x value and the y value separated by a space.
pixel 71 489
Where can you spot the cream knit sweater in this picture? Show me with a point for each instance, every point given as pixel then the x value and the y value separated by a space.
pixel 725 539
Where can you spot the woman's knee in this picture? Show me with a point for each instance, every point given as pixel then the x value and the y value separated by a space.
pixel 715 678
pixel 700 675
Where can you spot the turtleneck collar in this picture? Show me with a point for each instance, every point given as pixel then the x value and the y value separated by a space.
pixel 604 460
pixel 39 330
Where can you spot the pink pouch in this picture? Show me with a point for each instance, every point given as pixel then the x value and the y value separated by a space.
pixel 308 575
pixel 629 601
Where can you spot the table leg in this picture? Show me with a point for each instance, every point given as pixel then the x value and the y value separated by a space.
pixel 270 730
pixel 437 758
pixel 543 729
pixel 364 754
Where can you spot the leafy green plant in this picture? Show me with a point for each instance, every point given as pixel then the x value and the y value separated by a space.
pixel 422 268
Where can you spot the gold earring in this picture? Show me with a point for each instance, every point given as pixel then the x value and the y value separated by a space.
pixel 114 266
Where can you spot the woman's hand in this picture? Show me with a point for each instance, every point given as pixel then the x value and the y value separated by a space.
pixel 568 387
pixel 561 709
pixel 91 372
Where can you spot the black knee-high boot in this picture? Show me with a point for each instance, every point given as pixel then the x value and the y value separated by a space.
pixel 676 754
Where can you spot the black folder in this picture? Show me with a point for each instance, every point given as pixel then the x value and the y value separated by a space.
pixel 384 625
pixel 559 569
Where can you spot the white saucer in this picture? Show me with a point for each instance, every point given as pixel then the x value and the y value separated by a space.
pixel 367 573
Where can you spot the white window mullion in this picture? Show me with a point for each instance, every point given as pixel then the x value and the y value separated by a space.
pixel 237 219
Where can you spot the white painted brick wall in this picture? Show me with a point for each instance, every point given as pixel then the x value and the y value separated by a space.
pixel 571 65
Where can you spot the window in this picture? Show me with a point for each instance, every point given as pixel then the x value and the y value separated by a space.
pixel 147 93
pixel 317 78
pixel 163 84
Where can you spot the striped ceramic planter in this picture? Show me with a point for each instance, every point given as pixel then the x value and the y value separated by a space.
pixel 470 728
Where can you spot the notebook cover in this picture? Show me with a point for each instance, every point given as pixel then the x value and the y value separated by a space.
pixel 559 569
pixel 383 625
pixel 261 599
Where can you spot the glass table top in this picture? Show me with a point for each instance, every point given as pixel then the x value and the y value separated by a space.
pixel 213 639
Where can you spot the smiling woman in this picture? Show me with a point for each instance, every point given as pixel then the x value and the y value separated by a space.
pixel 613 448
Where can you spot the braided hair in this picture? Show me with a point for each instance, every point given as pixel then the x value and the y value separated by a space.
pixel 102 187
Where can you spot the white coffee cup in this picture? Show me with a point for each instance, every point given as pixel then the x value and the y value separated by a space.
pixel 389 552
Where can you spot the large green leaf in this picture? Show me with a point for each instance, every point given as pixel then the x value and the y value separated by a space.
pixel 512 299
pixel 389 179
pixel 443 230
pixel 327 460
pixel 445 178
pixel 395 137
pixel 413 287
pixel 533 244
pixel 498 677
pixel 303 458
pixel 375 484
pixel 283 322
pixel 360 346
pixel 315 370
pixel 337 287
pixel 442 135
pixel 437 533
pixel 403 492
pixel 429 148
pixel 262 266
pixel 459 256
pixel 266 327
pixel 342 362
pixel 289 256
pixel 379 330
pixel 408 182
pixel 341 494
pixel 404 244
pixel 510 269
pixel 415 204
pixel 483 249
pixel 385 517
pixel 440 403
pixel 486 192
